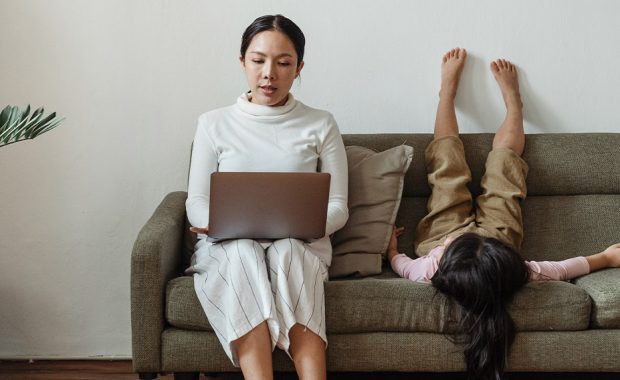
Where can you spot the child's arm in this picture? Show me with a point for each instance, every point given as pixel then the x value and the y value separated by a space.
pixel 558 270
pixel 609 258
pixel 393 245
pixel 575 267
pixel 418 270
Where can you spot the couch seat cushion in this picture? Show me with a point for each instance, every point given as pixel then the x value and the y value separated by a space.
pixel 603 287
pixel 386 303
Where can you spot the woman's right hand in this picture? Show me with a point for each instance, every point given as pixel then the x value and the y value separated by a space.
pixel 200 230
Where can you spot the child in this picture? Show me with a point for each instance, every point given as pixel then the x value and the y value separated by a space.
pixel 469 250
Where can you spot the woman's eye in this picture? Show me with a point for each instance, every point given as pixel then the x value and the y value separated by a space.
pixel 284 63
pixel 258 61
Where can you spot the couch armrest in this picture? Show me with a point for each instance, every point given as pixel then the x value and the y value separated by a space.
pixel 154 260
pixel 604 289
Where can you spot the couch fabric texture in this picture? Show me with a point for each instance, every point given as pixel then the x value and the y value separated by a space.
pixel 386 323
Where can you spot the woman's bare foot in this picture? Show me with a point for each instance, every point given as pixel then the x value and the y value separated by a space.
pixel 451 68
pixel 505 73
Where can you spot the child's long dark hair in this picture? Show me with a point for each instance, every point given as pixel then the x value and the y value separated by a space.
pixel 481 275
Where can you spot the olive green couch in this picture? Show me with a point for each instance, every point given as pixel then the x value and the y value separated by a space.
pixel 388 324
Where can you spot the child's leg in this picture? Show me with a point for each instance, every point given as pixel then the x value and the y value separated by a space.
pixel 510 134
pixel 450 204
pixel 498 209
pixel 451 68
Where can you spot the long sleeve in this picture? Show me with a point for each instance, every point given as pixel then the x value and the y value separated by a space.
pixel 248 137
pixel 421 269
pixel 204 162
pixel 558 270
pixel 333 160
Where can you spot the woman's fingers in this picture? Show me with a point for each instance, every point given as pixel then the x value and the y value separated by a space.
pixel 199 230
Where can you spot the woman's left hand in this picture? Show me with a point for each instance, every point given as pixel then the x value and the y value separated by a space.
pixel 200 230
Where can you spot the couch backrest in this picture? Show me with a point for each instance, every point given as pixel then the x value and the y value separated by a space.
pixel 573 202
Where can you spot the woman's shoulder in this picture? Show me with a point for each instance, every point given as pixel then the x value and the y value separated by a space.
pixel 215 115
pixel 318 118
pixel 315 112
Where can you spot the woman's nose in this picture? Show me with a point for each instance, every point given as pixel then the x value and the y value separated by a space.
pixel 269 72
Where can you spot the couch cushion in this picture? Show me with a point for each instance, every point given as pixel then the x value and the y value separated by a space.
pixel 603 287
pixel 387 303
pixel 183 309
pixel 560 163
pixel 573 189
pixel 375 189
pixel 559 227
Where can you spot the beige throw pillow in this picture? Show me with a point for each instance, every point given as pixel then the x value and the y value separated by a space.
pixel 375 190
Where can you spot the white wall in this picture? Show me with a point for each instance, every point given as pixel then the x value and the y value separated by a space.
pixel 131 77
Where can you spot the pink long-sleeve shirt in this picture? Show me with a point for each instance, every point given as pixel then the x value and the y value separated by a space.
pixel 423 268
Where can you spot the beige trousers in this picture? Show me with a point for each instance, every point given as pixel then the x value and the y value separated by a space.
pixel 451 211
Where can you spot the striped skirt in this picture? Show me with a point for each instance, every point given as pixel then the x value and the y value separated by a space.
pixel 242 283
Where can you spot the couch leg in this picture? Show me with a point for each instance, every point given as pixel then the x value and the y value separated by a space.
pixel 186 375
pixel 147 375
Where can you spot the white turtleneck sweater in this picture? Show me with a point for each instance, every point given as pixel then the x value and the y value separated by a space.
pixel 254 138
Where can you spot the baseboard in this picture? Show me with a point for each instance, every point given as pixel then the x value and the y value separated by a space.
pixel 44 357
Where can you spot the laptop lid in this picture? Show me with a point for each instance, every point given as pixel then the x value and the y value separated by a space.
pixel 268 205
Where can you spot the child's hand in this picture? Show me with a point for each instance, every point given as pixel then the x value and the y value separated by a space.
pixel 612 254
pixel 393 245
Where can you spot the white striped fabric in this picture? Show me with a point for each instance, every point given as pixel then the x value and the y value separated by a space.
pixel 241 283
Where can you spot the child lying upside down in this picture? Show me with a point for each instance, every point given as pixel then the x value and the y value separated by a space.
pixel 469 250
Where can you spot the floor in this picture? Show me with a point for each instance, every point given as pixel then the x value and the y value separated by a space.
pixel 122 370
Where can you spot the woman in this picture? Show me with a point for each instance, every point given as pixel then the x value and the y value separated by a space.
pixel 469 250
pixel 258 295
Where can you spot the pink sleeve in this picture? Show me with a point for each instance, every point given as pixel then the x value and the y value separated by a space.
pixel 421 269
pixel 558 270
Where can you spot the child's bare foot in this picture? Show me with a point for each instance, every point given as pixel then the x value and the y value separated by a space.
pixel 505 74
pixel 510 134
pixel 451 68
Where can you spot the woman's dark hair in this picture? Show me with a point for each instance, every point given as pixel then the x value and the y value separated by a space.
pixel 279 23
pixel 481 275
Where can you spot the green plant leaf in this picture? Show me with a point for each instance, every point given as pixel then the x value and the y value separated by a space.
pixel 10 124
pixel 37 127
pixel 19 129
pixel 4 117
pixel 51 125
pixel 16 125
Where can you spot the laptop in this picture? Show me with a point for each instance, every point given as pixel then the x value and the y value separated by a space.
pixel 268 205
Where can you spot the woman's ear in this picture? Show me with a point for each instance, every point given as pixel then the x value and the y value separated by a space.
pixel 299 67
pixel 242 61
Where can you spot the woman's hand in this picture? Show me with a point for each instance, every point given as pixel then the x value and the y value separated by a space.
pixel 200 230
pixel 393 245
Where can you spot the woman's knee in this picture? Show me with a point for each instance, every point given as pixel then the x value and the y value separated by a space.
pixel 287 246
pixel 240 249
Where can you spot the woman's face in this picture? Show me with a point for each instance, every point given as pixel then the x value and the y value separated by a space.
pixel 270 66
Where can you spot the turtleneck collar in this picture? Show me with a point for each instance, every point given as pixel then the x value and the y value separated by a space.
pixel 244 104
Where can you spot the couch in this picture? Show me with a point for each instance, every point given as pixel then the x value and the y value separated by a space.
pixel 388 324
